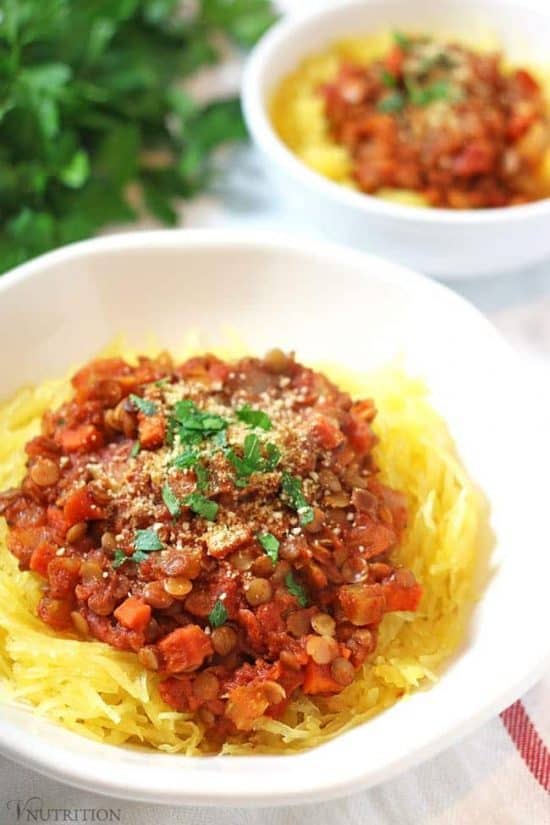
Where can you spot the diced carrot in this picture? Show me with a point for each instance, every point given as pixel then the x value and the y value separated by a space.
pixel 81 438
pixel 152 431
pixel 318 679
pixel 362 604
pixel 133 613
pixel 80 506
pixel 185 648
pixel 246 704
pixel 42 555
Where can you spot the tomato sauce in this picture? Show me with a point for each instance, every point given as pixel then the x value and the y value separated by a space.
pixel 444 121
pixel 224 521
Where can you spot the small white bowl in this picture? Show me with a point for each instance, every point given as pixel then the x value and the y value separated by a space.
pixel 444 243
pixel 329 304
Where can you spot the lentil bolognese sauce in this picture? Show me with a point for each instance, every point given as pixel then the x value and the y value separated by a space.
pixel 224 521
pixel 442 120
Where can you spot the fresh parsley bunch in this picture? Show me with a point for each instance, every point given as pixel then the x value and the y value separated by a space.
pixel 93 117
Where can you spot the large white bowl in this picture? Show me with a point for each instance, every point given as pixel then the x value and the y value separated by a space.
pixel 440 242
pixel 333 304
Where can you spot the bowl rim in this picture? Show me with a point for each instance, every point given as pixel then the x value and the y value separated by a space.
pixel 48 757
pixel 259 123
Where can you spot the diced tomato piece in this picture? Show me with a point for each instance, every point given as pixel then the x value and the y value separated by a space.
pixel 527 82
pixel 56 519
pixel 42 555
pixel 394 61
pixel 152 431
pixel 178 693
pixel 80 506
pixel 475 159
pixel 318 679
pixel 185 648
pixel 327 432
pixel 518 124
pixel 374 538
pixel 361 437
pixel 399 597
pixel 133 613
pixel 63 576
pixel 23 541
pixel 86 380
pixel 83 438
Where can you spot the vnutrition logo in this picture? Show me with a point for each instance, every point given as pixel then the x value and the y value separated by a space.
pixel 34 809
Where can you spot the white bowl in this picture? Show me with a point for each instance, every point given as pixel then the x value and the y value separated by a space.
pixel 440 242
pixel 328 303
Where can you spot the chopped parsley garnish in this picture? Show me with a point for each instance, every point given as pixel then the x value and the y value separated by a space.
pixel 424 95
pixel 294 496
pixel 219 439
pixel 392 103
pixel 185 460
pixel 296 589
pixel 202 506
pixel 202 477
pixel 402 40
pixel 254 418
pixel 388 79
pixel 143 404
pixel 147 540
pixel 119 558
pixel 218 614
pixel 171 500
pixel 270 544
pixel 136 449
pixel 252 460
pixel 193 425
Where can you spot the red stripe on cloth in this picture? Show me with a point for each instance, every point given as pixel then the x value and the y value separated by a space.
pixel 525 737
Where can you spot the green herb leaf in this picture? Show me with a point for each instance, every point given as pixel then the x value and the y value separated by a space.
pixel 424 95
pixel 147 541
pixel 119 558
pixel 270 544
pixel 193 425
pixel 273 456
pixel 294 497
pixel 136 449
pixel 402 40
pixel 201 474
pixel 394 102
pixel 296 589
pixel 388 79
pixel 185 460
pixel 218 614
pixel 171 500
pixel 202 506
pixel 143 404
pixel 254 418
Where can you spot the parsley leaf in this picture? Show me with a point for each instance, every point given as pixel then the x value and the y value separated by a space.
pixel 90 99
pixel 391 103
pixel 252 460
pixel 136 449
pixel 147 541
pixel 119 558
pixel 193 425
pixel 202 506
pixel 402 40
pixel 171 500
pixel 388 79
pixel 185 460
pixel 143 404
pixel 424 95
pixel 218 614
pixel 202 477
pixel 296 589
pixel 254 418
pixel 270 544
pixel 294 496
